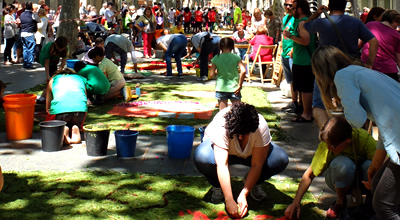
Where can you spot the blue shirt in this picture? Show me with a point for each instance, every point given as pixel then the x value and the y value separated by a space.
pixel 350 28
pixel 366 93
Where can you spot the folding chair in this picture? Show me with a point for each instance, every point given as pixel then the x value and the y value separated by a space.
pixel 260 62
pixel 277 71
pixel 246 61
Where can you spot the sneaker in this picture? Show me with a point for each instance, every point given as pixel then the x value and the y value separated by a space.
pixel 126 93
pixel 289 106
pixel 257 193
pixel 217 195
pixel 168 77
pixel 334 211
pixel 204 78
pixel 180 77
pixel 198 78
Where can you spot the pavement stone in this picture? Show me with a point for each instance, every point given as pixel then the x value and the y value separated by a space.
pixel 151 151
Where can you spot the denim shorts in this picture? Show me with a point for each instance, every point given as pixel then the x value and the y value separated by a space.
pixel 227 95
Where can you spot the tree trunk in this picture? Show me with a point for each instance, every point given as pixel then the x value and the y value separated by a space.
pixel 69 28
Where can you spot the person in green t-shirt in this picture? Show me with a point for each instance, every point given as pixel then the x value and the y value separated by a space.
pixel 336 158
pixel 303 47
pixel 237 15
pixel 97 83
pixel 50 57
pixel 229 80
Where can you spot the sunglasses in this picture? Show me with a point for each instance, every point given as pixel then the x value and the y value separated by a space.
pixel 288 5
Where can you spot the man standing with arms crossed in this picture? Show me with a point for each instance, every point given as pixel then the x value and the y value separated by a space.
pixel 29 22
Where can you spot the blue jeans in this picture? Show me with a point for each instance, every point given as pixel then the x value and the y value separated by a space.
pixel 111 48
pixel 317 99
pixel 386 191
pixel 206 49
pixel 28 47
pixel 204 161
pixel 242 52
pixel 287 64
pixel 176 48
pixel 341 172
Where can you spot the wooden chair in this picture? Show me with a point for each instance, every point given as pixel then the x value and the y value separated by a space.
pixel 278 69
pixel 246 61
pixel 260 63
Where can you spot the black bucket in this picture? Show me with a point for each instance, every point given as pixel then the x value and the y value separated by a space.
pixel 96 137
pixel 52 134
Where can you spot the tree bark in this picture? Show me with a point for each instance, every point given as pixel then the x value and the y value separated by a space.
pixel 69 28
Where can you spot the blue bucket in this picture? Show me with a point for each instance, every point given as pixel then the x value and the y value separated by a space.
pixel 71 63
pixel 180 141
pixel 202 129
pixel 125 141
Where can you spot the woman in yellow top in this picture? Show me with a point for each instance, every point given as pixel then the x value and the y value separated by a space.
pixel 335 157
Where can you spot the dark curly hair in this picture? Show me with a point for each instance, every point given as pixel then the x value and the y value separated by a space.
pixel 241 119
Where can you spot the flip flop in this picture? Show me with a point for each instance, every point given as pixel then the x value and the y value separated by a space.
pixel 300 118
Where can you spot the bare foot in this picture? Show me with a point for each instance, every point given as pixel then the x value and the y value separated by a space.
pixel 76 135
pixel 67 140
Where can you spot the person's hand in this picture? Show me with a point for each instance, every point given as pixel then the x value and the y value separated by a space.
pixel 1 179
pixel 322 8
pixel 286 33
pixel 242 202
pixel 371 172
pixel 232 209
pixel 237 91
pixel 291 210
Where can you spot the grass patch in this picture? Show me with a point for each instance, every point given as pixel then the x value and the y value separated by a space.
pixel 162 91
pixel 114 195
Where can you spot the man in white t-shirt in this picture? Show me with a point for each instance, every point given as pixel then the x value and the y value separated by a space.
pixel 238 135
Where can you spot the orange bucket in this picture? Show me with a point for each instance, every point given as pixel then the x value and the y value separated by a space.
pixel 19 112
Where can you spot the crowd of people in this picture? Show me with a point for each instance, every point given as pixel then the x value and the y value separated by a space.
pixel 321 61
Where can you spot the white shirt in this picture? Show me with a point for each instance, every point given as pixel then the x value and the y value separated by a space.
pixel 166 39
pixel 108 13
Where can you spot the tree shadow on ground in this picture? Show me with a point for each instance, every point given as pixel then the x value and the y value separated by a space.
pixel 33 195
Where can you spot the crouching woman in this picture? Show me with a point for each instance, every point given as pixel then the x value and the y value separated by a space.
pixel 344 156
pixel 238 135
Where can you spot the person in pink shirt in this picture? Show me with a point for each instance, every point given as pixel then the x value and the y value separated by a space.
pixel 388 57
pixel 261 39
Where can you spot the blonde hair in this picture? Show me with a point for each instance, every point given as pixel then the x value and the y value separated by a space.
pixel 325 62
pixel 262 30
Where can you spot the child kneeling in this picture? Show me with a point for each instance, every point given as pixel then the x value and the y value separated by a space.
pixel 67 100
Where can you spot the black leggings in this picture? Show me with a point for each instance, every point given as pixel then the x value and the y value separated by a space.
pixel 7 51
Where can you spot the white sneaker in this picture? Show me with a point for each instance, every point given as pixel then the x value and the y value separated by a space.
pixel 199 78
pixel 217 195
pixel 204 78
pixel 168 77
pixel 257 193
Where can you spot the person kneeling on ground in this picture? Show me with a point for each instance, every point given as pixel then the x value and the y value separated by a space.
pixel 335 156
pixel 66 99
pixel 97 83
pixel 238 135
pixel 112 73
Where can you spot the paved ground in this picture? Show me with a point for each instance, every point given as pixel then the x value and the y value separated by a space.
pixel 151 151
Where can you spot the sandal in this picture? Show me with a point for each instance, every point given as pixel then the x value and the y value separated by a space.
pixel 300 118
pixel 334 211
